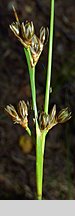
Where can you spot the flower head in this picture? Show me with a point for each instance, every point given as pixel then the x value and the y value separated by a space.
pixel 37 45
pixel 35 49
pixel 26 35
pixel 47 121
pixel 24 32
pixel 12 112
pixel 27 30
pixel 64 115
pixel 44 34
pixel 20 117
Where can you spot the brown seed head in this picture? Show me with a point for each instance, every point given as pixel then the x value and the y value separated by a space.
pixel 22 109
pixel 47 121
pixel 24 32
pixel 12 112
pixel 64 115
pixel 22 116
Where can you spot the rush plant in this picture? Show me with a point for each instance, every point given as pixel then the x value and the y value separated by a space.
pixel 33 47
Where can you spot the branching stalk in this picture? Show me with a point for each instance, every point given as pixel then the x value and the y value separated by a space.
pixel 41 136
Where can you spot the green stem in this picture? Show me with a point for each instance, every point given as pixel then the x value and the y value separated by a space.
pixel 41 136
pixel 32 80
pixel 49 58
pixel 40 142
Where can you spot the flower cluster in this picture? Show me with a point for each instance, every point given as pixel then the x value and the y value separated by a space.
pixel 26 35
pixel 47 121
pixel 20 117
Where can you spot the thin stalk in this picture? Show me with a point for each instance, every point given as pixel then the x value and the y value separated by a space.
pixel 32 80
pixel 49 58
pixel 40 144
pixel 28 131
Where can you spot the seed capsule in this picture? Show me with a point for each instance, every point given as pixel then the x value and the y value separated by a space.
pixel 44 35
pixel 22 109
pixel 44 120
pixel 29 30
pixel 37 45
pixel 53 114
pixel 36 49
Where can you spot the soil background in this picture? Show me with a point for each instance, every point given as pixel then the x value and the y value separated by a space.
pixel 17 150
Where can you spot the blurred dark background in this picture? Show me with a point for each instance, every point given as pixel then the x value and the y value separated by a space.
pixel 17 150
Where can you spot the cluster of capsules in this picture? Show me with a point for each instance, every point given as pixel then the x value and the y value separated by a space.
pixel 46 121
pixel 19 116
pixel 26 35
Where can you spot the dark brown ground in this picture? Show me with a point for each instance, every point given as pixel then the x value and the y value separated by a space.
pixel 17 168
